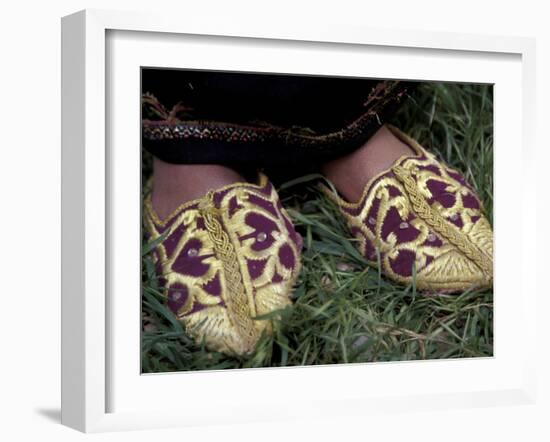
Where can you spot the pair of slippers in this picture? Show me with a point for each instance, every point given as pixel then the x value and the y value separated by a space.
pixel 234 255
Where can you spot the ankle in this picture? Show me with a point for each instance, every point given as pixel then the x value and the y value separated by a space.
pixel 175 184
pixel 351 173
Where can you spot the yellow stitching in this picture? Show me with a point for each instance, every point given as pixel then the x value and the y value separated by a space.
pixel 220 329
pixel 418 151
pixel 262 181
pixel 239 227
pixel 438 223
pixel 236 300
pixel 365 202
pixel 233 227
pixel 433 284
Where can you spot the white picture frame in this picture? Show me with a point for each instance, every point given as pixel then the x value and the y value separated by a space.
pixel 95 236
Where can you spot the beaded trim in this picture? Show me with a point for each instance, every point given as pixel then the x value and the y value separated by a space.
pixel 168 125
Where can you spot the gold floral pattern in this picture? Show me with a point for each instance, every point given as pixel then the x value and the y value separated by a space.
pixel 422 214
pixel 226 259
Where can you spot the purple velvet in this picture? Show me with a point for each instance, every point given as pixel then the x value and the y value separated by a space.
pixel 470 201
pixel 161 280
pixel 171 242
pixel 260 224
pixel 256 267
pixel 213 287
pixel 457 222
pixel 370 251
pixel 294 236
pixel 403 229
pixel 286 256
pixel 260 202
pixel 197 307
pixel 352 211
pixel 234 206
pixel 436 243
pixel 393 191
pixel 429 167
pixel 457 177
pixel 191 265
pixel 277 278
pixel 402 265
pixel 192 259
pixel 177 296
pixel 429 260
pixel 372 214
pixel 440 194
pixel 218 197
pixel 267 189
pixel 200 223
pixel 392 224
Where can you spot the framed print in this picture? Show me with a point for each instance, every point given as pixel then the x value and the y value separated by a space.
pixel 291 285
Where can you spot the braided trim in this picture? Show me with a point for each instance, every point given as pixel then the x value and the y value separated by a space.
pixel 438 223
pixel 236 301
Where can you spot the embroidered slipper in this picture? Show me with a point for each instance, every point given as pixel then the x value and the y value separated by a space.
pixel 421 213
pixel 225 259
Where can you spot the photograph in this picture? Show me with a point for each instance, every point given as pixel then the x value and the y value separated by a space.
pixel 304 220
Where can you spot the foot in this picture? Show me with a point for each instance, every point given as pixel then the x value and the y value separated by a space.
pixel 175 184
pixel 226 259
pixel 420 221
pixel 350 173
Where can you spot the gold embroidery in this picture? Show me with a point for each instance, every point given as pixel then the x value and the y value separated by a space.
pixel 150 211
pixel 195 284
pixel 226 323
pixel 438 223
pixel 236 297
pixel 465 256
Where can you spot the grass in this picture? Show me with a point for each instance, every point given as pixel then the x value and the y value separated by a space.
pixel 343 310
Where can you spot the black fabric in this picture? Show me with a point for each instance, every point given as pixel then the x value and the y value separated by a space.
pixel 313 104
